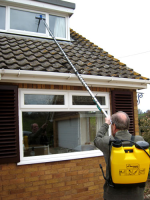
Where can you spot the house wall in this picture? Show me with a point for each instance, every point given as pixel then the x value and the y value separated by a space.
pixel 64 180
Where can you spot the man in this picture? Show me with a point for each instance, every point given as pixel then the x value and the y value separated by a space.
pixel 119 127
pixel 34 137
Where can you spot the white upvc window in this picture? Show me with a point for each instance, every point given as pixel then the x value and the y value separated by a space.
pixel 23 21
pixel 58 125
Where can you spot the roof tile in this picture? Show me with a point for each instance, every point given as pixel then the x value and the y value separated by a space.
pixel 31 58
pixel 46 64
pixel 20 57
pixel 17 52
pixel 39 68
pixel 38 54
pixel 28 53
pixel 35 63
pixel 26 67
pixel 42 59
pixel 8 56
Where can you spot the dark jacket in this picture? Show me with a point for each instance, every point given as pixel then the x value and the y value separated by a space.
pixel 101 141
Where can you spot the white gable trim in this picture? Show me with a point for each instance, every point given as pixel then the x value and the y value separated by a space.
pixel 55 78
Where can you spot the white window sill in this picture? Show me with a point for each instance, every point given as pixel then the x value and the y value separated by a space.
pixel 59 157
pixel 32 34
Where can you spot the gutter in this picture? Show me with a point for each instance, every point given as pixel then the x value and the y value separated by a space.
pixel 56 78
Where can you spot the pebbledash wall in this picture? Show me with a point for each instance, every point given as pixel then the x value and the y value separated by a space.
pixel 64 180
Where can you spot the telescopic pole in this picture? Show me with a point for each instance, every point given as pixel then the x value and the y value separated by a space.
pixel 40 17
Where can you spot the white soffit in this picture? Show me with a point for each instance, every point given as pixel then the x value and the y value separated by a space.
pixel 29 4
pixel 55 78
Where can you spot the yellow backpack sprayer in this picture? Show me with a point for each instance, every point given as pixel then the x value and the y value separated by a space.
pixel 129 165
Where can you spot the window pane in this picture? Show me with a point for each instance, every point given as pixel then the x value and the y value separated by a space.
pixel 25 21
pixel 2 17
pixel 57 26
pixel 87 100
pixel 59 132
pixel 40 99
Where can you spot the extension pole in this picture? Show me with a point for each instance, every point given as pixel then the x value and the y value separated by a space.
pixel 75 71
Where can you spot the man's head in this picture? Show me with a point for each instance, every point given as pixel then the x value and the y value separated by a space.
pixel 120 121
pixel 34 127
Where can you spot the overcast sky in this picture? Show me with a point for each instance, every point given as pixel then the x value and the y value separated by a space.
pixel 120 27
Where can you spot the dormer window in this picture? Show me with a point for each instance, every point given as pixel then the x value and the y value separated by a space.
pixel 22 21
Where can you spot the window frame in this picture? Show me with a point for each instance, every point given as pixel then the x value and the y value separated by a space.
pixel 43 35
pixel 43 107
pixel 83 107
pixel 68 95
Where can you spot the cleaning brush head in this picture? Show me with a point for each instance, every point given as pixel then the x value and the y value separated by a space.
pixel 40 17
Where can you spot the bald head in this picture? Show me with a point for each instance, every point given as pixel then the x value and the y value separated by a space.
pixel 121 120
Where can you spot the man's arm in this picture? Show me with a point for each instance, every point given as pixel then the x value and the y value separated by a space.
pixel 101 139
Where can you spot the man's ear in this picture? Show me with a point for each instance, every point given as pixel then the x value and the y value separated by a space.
pixel 115 129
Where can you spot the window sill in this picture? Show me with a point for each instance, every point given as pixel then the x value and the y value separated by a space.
pixel 31 34
pixel 59 157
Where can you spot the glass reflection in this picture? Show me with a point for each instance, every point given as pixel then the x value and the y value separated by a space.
pixel 25 21
pixel 47 133
pixel 87 100
pixel 2 17
pixel 40 99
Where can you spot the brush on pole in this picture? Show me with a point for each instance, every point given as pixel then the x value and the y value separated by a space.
pixel 40 17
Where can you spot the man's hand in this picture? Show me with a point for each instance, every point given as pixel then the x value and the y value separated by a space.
pixel 44 126
pixel 108 120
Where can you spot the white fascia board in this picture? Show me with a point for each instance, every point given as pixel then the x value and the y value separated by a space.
pixel 55 78
pixel 38 5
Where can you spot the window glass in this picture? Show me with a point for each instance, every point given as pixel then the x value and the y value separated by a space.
pixel 46 133
pixel 2 17
pixel 57 26
pixel 25 21
pixel 40 99
pixel 87 100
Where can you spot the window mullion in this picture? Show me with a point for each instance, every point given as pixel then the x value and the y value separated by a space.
pixel 7 22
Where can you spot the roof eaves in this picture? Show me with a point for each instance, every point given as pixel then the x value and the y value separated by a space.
pixel 55 78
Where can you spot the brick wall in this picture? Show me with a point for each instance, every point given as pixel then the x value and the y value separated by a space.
pixel 79 179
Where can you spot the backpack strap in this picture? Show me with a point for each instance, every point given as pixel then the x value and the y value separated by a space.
pixel 129 144
pixel 132 140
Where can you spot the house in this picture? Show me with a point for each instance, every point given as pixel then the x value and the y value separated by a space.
pixel 39 90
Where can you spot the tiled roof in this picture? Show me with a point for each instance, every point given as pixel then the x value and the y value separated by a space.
pixel 30 53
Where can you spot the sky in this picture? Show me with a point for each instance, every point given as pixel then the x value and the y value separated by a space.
pixel 120 27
